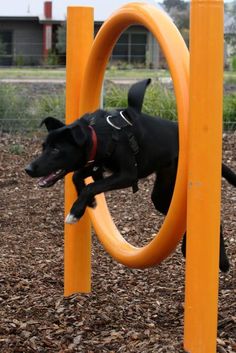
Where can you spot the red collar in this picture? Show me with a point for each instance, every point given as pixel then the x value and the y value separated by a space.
pixel 94 145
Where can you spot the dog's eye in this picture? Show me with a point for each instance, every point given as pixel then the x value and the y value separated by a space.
pixel 55 150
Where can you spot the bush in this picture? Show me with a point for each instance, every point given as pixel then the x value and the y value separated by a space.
pixel 19 111
pixel 52 59
pixel 159 100
pixel 53 105
pixel 229 111
pixel 14 107
pixel 233 63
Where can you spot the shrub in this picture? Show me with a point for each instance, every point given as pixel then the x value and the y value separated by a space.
pixel 52 59
pixel 159 100
pixel 19 60
pixel 229 111
pixel 14 107
pixel 233 63
pixel 18 111
pixel 53 105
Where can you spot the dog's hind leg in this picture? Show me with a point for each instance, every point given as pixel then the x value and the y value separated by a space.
pixel 163 189
pixel 228 174
pixel 224 262
pixel 161 198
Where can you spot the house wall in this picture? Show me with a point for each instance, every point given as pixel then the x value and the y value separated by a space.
pixel 135 46
pixel 27 41
pixel 153 53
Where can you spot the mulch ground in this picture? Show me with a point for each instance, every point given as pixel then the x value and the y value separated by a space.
pixel 128 310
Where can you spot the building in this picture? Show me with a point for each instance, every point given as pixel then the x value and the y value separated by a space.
pixel 230 29
pixel 28 37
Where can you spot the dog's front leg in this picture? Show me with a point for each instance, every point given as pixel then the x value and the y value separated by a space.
pixel 79 183
pixel 78 180
pixel 113 182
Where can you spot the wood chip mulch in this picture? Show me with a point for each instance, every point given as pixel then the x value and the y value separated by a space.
pixel 128 310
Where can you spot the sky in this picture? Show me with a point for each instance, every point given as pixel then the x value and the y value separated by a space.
pixel 103 8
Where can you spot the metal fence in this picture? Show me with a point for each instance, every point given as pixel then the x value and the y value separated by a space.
pixel 23 105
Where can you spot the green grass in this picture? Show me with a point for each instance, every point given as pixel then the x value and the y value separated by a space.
pixel 230 77
pixel 20 110
pixel 43 73
pixel 31 73
pixel 112 73
pixel 158 101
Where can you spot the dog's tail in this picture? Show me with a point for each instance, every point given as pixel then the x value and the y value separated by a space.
pixel 228 174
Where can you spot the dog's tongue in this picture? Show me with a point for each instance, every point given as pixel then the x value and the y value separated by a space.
pixel 51 179
pixel 45 180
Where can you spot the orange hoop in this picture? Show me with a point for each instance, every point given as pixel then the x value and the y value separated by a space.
pixel 177 57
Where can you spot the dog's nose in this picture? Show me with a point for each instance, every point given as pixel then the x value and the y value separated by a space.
pixel 29 169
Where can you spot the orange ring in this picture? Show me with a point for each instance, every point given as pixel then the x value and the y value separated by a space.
pixel 177 56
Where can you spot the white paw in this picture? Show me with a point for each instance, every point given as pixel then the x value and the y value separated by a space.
pixel 71 219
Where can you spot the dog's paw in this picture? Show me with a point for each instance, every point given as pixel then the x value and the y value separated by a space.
pixel 71 219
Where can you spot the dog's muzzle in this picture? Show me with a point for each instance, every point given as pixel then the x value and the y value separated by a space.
pixel 48 180
pixel 29 170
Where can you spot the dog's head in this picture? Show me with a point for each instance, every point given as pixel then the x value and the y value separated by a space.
pixel 64 150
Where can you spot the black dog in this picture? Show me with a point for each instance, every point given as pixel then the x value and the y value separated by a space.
pixel 128 143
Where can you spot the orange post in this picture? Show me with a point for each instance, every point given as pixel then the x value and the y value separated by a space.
pixel 77 253
pixel 204 175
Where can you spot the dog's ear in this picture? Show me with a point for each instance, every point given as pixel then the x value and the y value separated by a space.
pixel 79 134
pixel 136 95
pixel 52 123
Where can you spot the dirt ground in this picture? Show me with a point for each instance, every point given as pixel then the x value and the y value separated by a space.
pixel 128 310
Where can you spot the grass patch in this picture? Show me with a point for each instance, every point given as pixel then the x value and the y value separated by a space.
pixel 53 105
pixel 32 73
pixel 111 73
pixel 16 149
pixel 20 112
pixel 230 77
pixel 229 111
pixel 159 100
pixel 136 74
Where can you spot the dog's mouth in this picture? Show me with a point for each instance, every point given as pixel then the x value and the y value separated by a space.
pixel 52 178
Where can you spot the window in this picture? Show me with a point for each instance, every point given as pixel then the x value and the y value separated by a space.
pixel 138 43
pixel 5 47
pixel 130 48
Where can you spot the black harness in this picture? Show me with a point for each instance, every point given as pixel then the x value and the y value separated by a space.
pixel 121 121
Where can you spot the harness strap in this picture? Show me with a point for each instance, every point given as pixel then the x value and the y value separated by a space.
pixel 94 146
pixel 120 122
